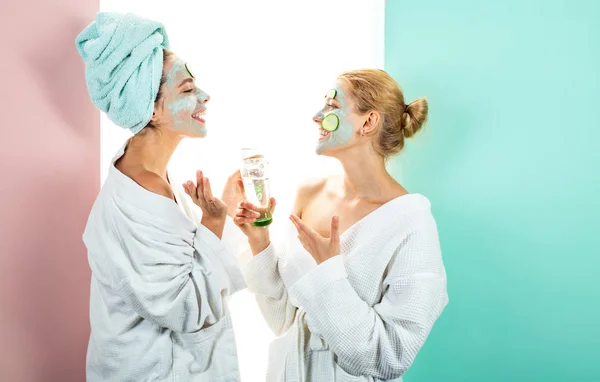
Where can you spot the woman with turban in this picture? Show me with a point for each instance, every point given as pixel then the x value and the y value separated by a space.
pixel 160 273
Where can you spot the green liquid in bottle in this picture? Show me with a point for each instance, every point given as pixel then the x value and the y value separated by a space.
pixel 263 222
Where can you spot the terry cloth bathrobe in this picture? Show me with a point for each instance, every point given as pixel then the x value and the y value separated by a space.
pixel 160 282
pixel 362 315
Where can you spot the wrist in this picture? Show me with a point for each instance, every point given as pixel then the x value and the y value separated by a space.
pixel 259 243
pixel 215 225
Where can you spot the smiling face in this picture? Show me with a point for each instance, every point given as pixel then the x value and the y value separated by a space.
pixel 183 105
pixel 337 102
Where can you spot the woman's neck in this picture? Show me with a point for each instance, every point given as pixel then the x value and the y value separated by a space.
pixel 366 177
pixel 152 150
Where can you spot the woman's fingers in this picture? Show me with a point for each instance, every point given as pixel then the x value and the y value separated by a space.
pixel 208 196
pixel 199 184
pixel 335 230
pixel 240 187
pixel 248 206
pixel 240 220
pixel 191 191
pixel 241 212
pixel 301 227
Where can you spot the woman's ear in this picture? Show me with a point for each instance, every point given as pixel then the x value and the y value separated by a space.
pixel 154 117
pixel 371 123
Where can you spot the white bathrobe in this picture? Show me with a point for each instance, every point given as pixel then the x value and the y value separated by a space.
pixel 159 286
pixel 362 315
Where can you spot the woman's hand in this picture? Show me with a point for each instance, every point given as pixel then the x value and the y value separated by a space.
pixel 245 215
pixel 320 248
pixel 214 211
pixel 233 193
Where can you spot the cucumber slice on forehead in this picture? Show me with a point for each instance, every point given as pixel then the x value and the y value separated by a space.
pixel 331 93
pixel 330 122
pixel 187 67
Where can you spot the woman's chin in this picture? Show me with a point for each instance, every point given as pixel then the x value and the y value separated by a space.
pixel 196 132
pixel 200 130
pixel 199 134
pixel 329 151
pixel 323 151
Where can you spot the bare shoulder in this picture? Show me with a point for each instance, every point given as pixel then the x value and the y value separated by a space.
pixel 153 183
pixel 307 191
pixel 311 186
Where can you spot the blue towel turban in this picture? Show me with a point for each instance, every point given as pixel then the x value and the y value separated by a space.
pixel 123 56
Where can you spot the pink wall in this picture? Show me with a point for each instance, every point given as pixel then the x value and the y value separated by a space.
pixel 49 168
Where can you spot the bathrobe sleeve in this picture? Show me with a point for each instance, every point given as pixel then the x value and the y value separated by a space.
pixel 380 341
pixel 172 277
pixel 264 280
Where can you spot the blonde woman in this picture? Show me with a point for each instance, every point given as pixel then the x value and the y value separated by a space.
pixel 357 286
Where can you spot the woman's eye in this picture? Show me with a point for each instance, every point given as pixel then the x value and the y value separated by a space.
pixel 189 91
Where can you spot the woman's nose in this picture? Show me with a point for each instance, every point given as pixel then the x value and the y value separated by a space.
pixel 202 96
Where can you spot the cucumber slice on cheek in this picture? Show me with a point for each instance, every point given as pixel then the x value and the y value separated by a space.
pixel 330 123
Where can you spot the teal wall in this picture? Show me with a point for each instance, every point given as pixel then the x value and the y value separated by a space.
pixel 510 160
